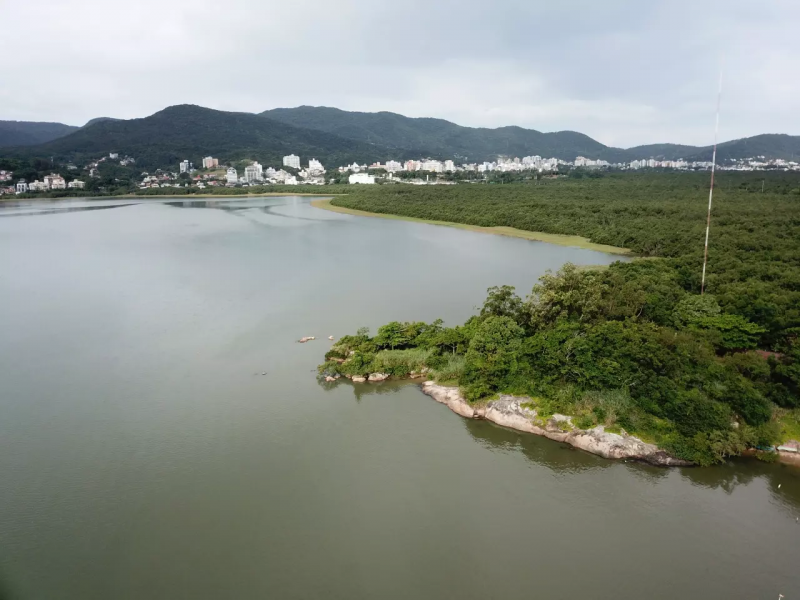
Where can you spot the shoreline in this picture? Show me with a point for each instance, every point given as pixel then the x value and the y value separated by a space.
pixel 573 241
pixel 510 412
pixel 147 196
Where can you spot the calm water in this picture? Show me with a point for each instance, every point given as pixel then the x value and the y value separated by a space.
pixel 143 455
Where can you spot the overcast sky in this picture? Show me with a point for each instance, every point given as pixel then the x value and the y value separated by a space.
pixel 623 72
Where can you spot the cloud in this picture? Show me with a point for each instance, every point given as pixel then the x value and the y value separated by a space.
pixel 623 72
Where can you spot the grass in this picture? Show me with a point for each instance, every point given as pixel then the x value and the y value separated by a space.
pixel 789 421
pixel 575 241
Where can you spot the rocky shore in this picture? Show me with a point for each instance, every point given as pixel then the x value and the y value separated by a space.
pixel 509 411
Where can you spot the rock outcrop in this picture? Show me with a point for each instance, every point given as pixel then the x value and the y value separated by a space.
pixel 509 411
pixel 378 377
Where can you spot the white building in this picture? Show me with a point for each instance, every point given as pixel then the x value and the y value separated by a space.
pixel 55 182
pixel 449 165
pixel 254 172
pixel 210 163
pixel 185 166
pixel 361 178
pixel 38 186
pixel 76 184
pixel 314 166
pixel 291 180
pixel 113 156
pixel 232 176
pixel 393 166
pixel 291 161
pixel 22 186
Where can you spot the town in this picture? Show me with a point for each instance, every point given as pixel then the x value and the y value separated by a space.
pixel 424 171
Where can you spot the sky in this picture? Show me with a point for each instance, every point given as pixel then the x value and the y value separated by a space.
pixel 625 73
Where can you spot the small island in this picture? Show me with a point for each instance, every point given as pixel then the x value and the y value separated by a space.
pixel 580 362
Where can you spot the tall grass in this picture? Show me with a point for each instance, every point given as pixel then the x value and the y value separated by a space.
pixel 452 369
pixel 400 362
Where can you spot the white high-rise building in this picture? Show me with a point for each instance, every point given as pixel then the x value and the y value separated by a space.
pixel 253 172
pixel 449 165
pixel 432 165
pixel 22 186
pixel 393 166
pixel 185 166
pixel 232 176
pixel 291 161
pixel 210 163
pixel 314 166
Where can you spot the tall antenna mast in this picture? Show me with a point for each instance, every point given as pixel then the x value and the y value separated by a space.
pixel 711 191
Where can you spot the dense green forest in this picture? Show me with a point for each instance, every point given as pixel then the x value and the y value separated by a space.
pixel 633 346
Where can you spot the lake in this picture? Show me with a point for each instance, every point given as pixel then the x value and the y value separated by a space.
pixel 145 455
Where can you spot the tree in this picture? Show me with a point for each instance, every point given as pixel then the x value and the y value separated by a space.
pixel 493 355
pixel 503 302
pixel 392 335
pixel 569 294
pixel 451 338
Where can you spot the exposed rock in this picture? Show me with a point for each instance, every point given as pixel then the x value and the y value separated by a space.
pixel 358 379
pixel 329 378
pixel 449 397
pixel 509 412
pixel 378 377
pixel 303 340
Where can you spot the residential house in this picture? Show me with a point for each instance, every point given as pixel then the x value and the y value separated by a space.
pixel 55 182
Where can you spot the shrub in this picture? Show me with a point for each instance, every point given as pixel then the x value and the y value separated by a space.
pixel 452 369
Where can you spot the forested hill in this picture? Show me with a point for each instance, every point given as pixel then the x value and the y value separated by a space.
pixel 192 132
pixel 437 137
pixel 27 133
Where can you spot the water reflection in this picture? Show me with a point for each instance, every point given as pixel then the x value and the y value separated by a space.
pixel 25 211
pixel 783 481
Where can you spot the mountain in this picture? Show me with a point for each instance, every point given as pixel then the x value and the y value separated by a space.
pixel 99 120
pixel 335 137
pixel 768 145
pixel 28 133
pixel 191 132
pixel 437 137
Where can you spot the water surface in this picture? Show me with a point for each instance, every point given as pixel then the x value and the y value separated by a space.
pixel 144 455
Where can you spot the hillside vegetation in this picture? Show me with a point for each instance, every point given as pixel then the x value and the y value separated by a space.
pixel 192 132
pixel 28 133
pixel 437 137
pixel 634 346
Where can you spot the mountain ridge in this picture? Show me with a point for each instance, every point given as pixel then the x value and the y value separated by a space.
pixel 518 141
pixel 339 137
pixel 31 133
pixel 191 132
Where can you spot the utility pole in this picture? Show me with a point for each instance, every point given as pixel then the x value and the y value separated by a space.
pixel 711 191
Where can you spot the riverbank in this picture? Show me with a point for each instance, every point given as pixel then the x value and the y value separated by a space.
pixel 519 413
pixel 574 241
pixel 160 196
